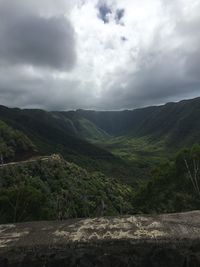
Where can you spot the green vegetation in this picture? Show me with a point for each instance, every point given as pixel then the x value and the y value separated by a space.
pixel 174 186
pixel 143 154
pixel 124 144
pixel 133 149
pixel 55 189
pixel 13 144
pixel 89 131
pixel 177 124
pixel 137 149
pixel 57 132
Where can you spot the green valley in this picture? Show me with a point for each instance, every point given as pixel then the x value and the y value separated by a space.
pixel 111 162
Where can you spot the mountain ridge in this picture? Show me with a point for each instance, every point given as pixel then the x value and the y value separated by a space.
pixel 52 134
pixel 89 138
pixel 169 121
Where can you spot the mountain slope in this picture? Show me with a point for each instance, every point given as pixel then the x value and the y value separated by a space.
pixel 51 133
pixel 14 145
pixel 80 126
pixel 177 123
pixel 56 189
pixel 124 144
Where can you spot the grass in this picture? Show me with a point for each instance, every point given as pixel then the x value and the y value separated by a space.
pixel 130 148
pixel 142 153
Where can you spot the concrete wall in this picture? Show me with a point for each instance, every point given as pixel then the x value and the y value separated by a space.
pixel 170 240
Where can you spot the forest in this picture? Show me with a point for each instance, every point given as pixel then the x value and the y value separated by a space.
pixel 104 165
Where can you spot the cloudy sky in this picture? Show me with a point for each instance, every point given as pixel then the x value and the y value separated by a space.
pixel 98 54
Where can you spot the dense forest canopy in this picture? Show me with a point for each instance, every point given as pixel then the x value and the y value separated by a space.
pixel 55 189
pixel 174 185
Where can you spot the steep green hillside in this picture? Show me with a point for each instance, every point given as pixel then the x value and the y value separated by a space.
pixel 56 189
pixel 14 145
pixel 126 145
pixel 35 120
pixel 53 133
pixel 174 185
pixel 123 144
pixel 82 127
pixel 176 123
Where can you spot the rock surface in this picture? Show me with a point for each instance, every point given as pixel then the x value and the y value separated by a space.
pixel 169 240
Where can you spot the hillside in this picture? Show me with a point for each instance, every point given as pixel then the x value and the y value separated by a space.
pixel 177 123
pixel 173 186
pixel 55 189
pixel 14 145
pixel 122 144
pixel 77 184
pixel 53 133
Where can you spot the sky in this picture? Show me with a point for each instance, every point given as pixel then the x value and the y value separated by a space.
pixel 98 54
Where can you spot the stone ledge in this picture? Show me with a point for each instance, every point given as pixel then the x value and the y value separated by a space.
pixel 144 241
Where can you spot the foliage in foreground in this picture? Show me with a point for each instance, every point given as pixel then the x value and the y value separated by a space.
pixel 56 189
pixel 174 186
pixel 59 190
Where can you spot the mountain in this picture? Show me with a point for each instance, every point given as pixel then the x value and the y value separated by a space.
pixel 54 189
pixel 101 152
pixel 80 127
pixel 124 144
pixel 177 123
pixel 51 132
pixel 14 145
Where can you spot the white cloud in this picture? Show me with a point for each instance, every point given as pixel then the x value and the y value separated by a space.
pixel 150 57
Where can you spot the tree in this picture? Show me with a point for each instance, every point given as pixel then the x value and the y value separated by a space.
pixel 188 161
pixel 2 152
pixel 21 203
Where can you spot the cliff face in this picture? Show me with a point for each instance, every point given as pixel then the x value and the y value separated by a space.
pixel 170 240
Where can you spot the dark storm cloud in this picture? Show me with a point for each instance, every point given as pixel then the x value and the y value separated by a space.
pixel 31 39
pixel 103 11
pixel 119 14
pixel 146 64
pixel 36 42
pixel 19 88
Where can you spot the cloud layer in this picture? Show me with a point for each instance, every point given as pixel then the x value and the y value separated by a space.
pixel 101 54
